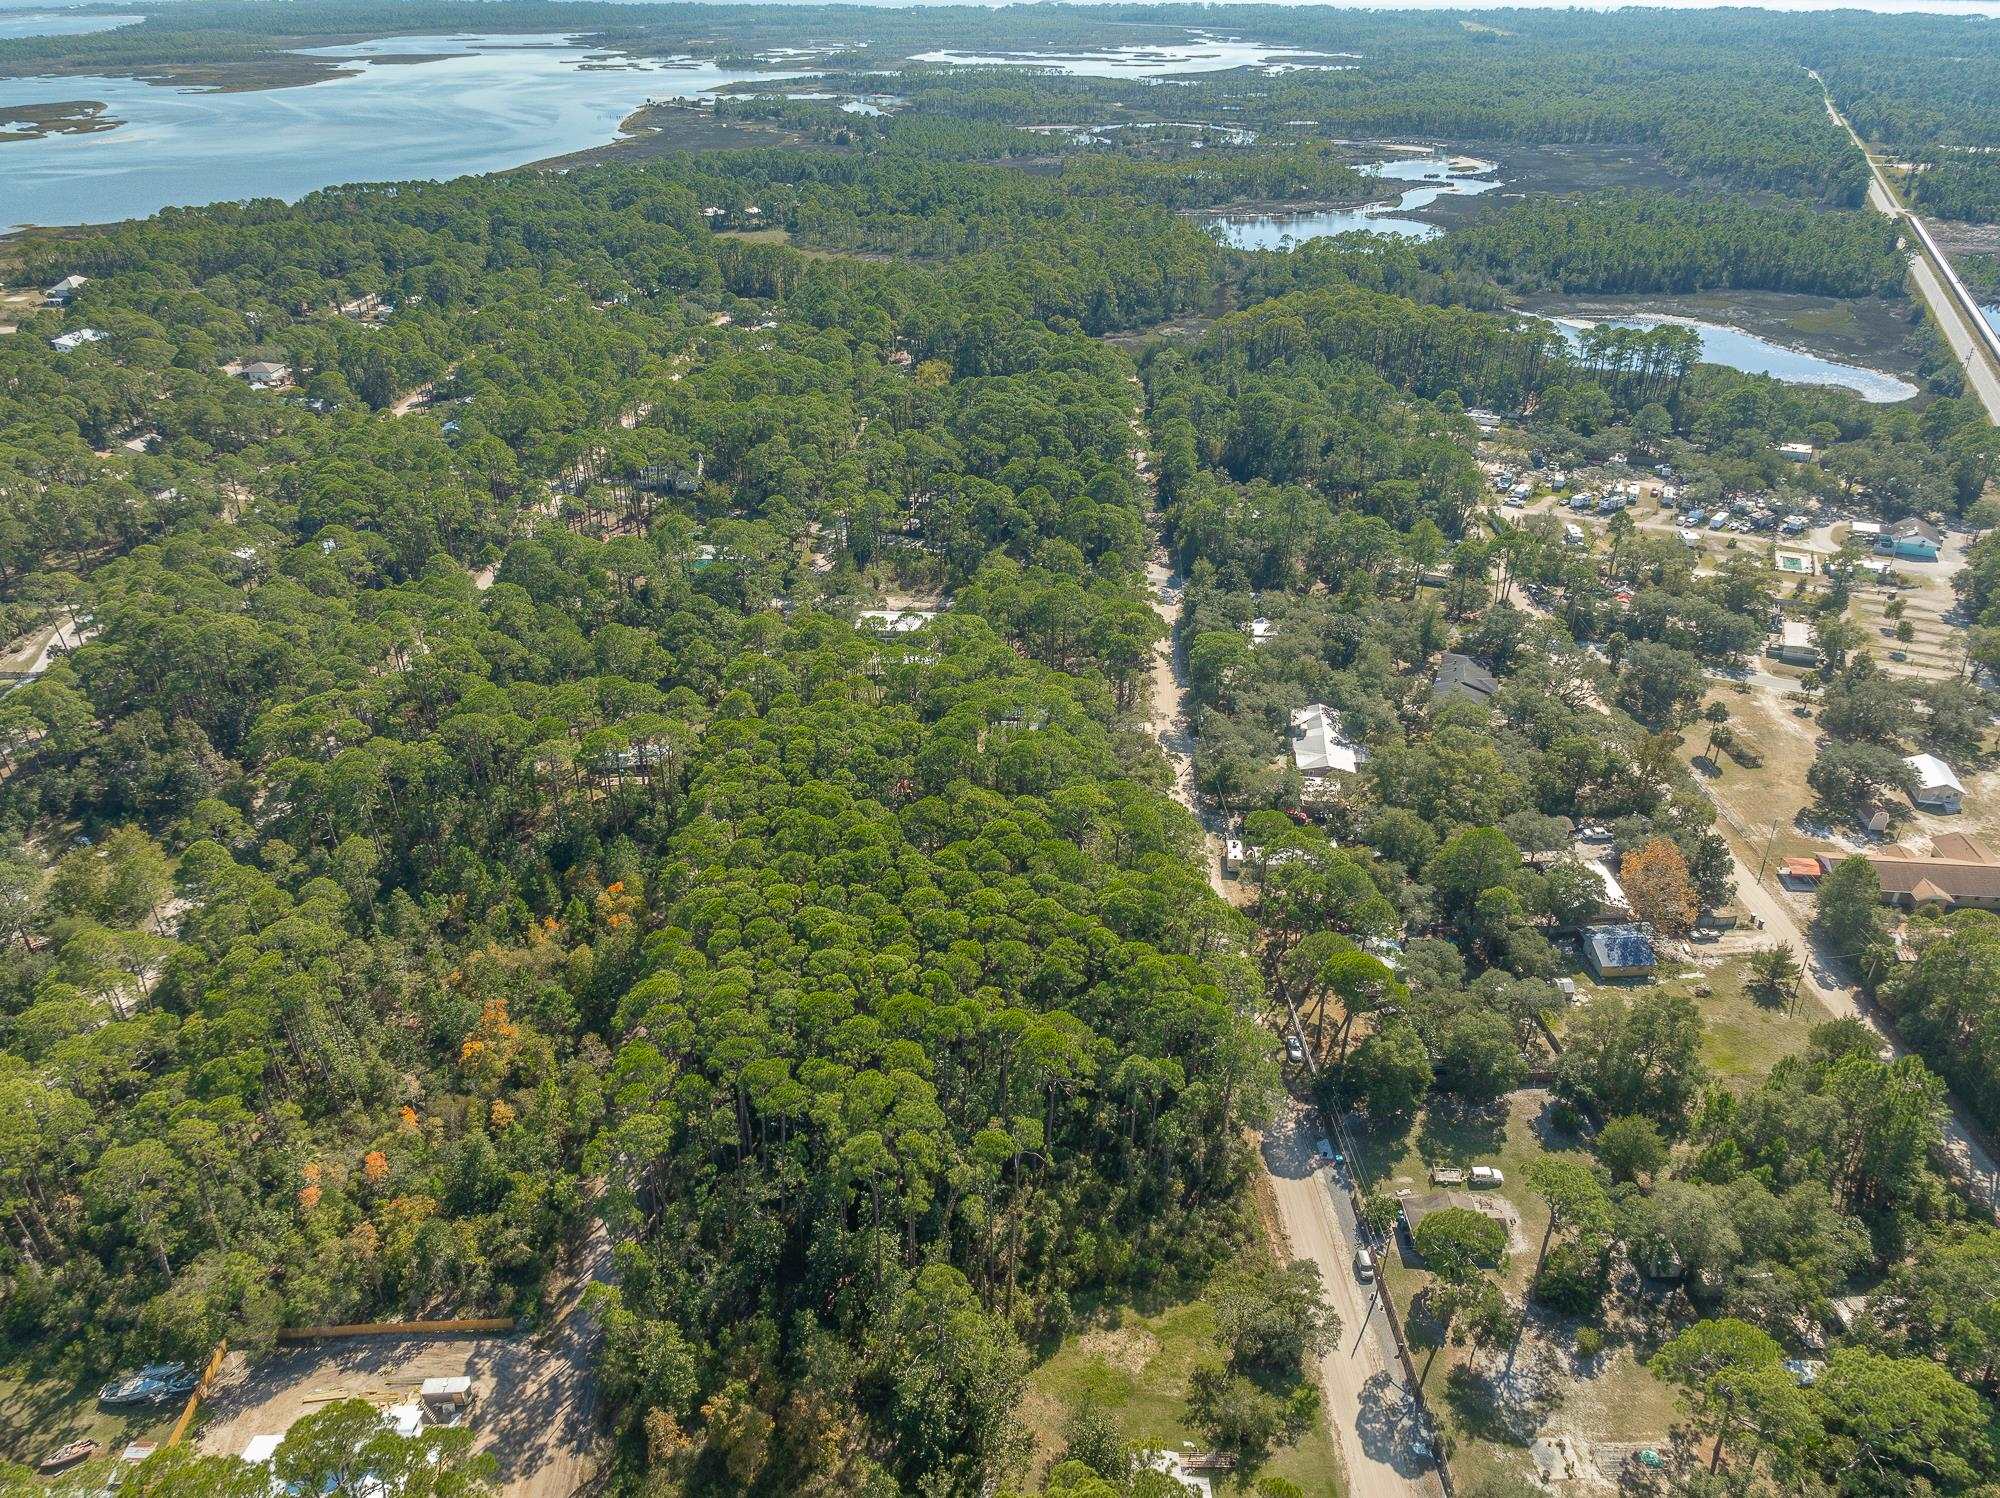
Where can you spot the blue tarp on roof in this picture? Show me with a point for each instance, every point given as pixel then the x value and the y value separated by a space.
pixel 1620 947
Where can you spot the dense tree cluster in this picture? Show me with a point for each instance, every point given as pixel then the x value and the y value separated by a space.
pixel 478 804
pixel 1623 242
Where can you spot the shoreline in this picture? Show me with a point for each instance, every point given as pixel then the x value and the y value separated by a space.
pixel 1865 333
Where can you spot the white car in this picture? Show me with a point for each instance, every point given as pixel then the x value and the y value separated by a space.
pixel 1295 1052
pixel 1487 1175
pixel 1364 1266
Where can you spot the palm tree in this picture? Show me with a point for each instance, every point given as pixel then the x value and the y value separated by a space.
pixel 1717 714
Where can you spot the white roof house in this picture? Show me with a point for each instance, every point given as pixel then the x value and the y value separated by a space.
pixel 1795 643
pixel 1261 629
pixel 1937 788
pixel 895 621
pixel 63 343
pixel 1318 745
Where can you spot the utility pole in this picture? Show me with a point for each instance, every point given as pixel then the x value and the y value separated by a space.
pixel 1768 844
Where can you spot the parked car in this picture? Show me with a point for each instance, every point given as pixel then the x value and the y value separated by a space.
pixel 1294 1052
pixel 1488 1175
pixel 1364 1266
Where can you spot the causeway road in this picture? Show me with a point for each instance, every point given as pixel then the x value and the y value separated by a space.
pixel 1973 342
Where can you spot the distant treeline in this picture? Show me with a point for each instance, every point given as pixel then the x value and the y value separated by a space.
pixel 1961 187
pixel 1629 242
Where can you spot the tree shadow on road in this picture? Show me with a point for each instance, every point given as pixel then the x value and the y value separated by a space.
pixel 1387 1426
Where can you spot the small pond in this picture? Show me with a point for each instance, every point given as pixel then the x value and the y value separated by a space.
pixel 1428 177
pixel 1737 349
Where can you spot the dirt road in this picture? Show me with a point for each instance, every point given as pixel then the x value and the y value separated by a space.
pixel 1366 1407
pixel 1372 1415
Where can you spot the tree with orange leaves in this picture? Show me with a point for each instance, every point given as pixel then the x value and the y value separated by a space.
pixel 1657 883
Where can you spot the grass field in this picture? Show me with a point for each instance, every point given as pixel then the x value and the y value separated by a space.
pixel 1134 1363
pixel 39 1412
pixel 1744 1034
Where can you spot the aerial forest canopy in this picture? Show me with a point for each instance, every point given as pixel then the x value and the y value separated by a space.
pixel 648 723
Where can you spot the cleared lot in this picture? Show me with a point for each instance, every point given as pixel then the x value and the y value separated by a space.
pixel 536 1402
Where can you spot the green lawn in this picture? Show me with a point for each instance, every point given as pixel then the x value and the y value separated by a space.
pixel 39 1412
pixel 1743 1034
pixel 1135 1364
pixel 1401 1160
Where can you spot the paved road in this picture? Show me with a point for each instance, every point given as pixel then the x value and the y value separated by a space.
pixel 1366 1406
pixel 1975 1165
pixel 1951 306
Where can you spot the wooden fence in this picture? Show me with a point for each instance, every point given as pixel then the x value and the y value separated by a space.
pixel 201 1389
pixel 401 1328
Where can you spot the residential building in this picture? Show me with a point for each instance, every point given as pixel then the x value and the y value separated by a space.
pixel 64 291
pixel 1460 677
pixel 1797 452
pixel 1414 1209
pixel 1937 788
pixel 65 342
pixel 1261 629
pixel 1620 952
pixel 1954 883
pixel 265 372
pixel 1795 644
pixel 1960 847
pixel 1912 539
pixel 1319 748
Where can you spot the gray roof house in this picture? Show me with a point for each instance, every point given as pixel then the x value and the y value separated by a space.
pixel 1460 677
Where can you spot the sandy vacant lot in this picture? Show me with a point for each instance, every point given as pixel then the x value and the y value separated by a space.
pixel 536 1396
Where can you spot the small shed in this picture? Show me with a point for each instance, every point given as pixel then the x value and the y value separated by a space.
pixel 1801 873
pixel 1620 952
pixel 448 1401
